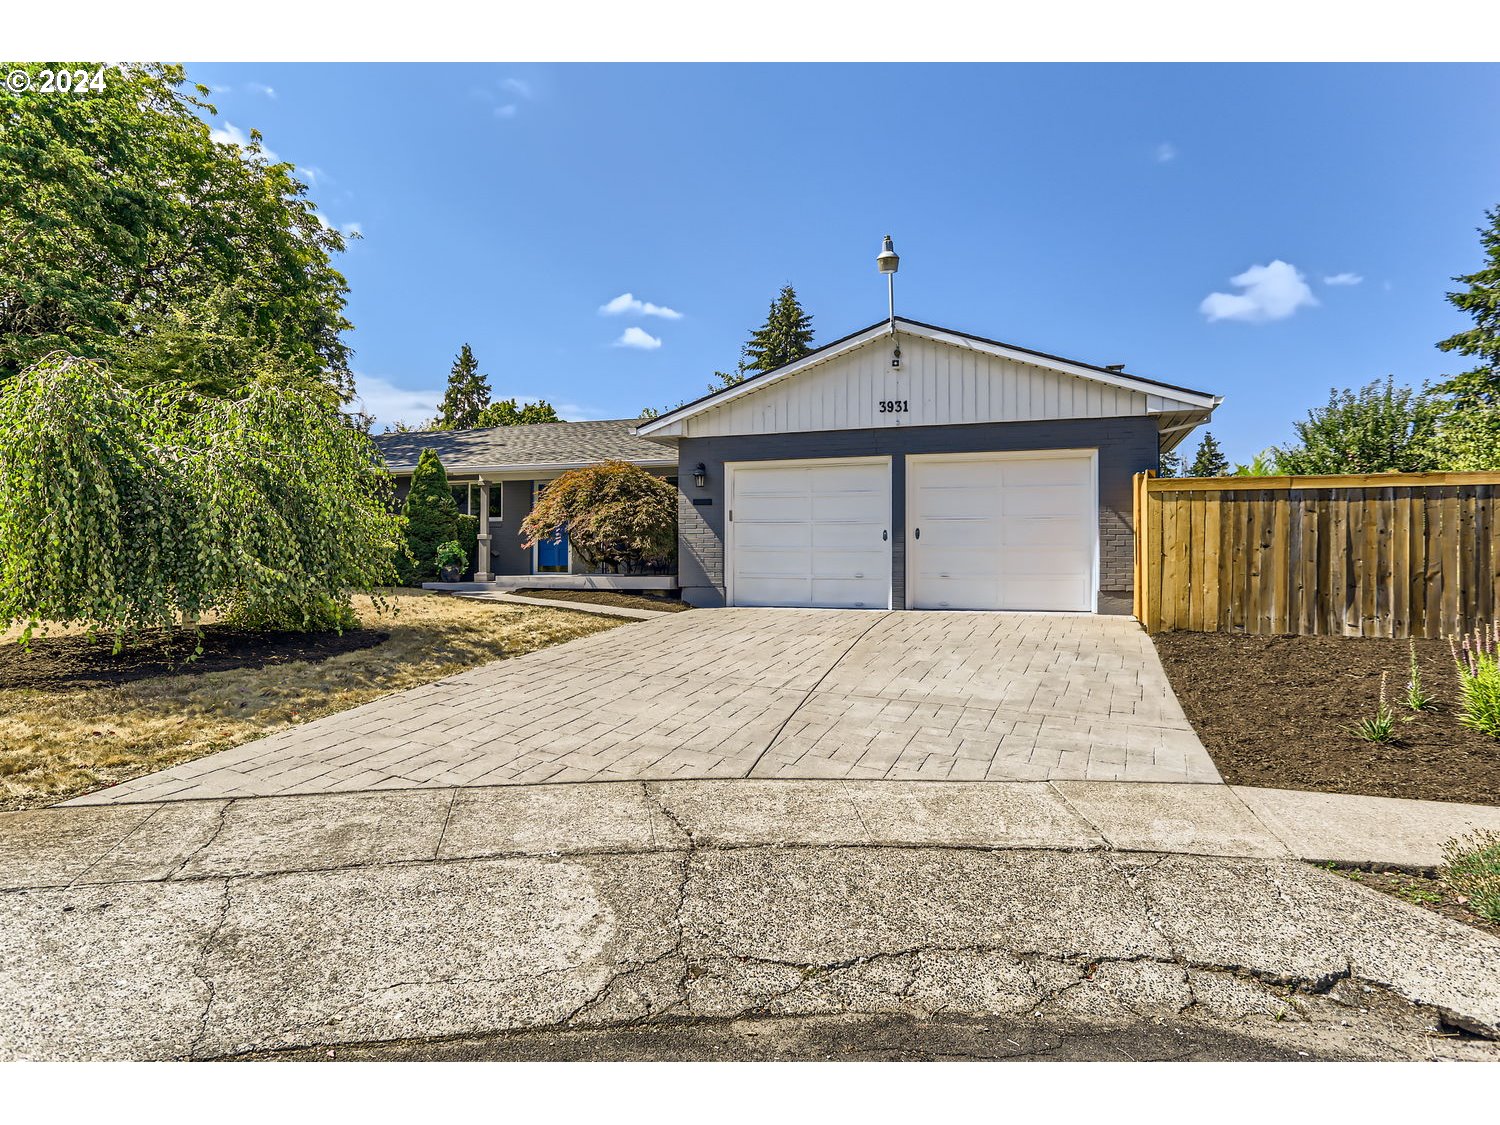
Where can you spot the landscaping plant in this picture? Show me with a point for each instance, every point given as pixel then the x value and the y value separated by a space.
pixel 1478 662
pixel 431 518
pixel 124 509
pixel 1416 698
pixel 617 517
pixel 1381 726
pixel 451 554
pixel 1471 866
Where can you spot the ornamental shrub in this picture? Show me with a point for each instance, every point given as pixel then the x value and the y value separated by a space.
pixel 431 518
pixel 124 509
pixel 468 539
pixel 1478 664
pixel 617 517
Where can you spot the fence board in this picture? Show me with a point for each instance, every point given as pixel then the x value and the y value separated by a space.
pixel 1390 555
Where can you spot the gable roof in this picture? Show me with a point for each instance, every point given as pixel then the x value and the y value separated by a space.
pixel 1176 398
pixel 509 448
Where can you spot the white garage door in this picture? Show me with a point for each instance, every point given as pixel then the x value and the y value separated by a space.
pixel 810 533
pixel 1001 531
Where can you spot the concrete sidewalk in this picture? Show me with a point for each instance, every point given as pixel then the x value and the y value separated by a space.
pixel 188 839
pixel 216 928
pixel 628 612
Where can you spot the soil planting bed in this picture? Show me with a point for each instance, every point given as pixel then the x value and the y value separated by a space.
pixel 71 661
pixel 1280 712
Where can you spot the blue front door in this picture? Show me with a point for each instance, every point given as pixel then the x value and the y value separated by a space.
pixel 552 554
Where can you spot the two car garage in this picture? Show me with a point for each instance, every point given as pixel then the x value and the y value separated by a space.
pixel 986 530
pixel 908 466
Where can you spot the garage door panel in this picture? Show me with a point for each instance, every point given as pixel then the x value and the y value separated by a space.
pixel 871 593
pixel 811 534
pixel 771 591
pixel 1048 593
pixel 1048 472
pixel 1070 535
pixel 849 564
pixel 765 562
pixel 773 535
pixel 958 503
pixel 1033 500
pixel 850 507
pixel 772 507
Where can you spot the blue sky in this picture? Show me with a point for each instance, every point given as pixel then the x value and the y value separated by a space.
pixel 1092 211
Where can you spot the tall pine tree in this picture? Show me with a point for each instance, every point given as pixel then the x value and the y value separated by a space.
pixel 1210 461
pixel 467 395
pixel 785 336
pixel 1468 430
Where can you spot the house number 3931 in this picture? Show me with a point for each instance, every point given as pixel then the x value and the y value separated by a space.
pixel 893 406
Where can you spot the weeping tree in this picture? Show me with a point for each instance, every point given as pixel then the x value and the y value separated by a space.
pixel 616 515
pixel 125 508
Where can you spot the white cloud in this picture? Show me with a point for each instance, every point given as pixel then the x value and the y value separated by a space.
pixel 390 404
pixel 628 303
pixel 231 134
pixel 261 88
pixel 518 87
pixel 1166 152
pixel 353 229
pixel 505 111
pixel 1344 278
pixel 634 337
pixel 1270 292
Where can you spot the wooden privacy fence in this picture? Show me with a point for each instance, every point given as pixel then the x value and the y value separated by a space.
pixel 1387 555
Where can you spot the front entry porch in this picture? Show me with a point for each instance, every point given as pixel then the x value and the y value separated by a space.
pixel 560 582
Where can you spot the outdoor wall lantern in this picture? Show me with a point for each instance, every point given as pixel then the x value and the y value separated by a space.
pixel 700 475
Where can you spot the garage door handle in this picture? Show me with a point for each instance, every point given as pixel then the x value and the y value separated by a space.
pixel 884 535
pixel 918 533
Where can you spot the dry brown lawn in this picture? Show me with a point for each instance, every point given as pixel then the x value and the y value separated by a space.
pixel 57 743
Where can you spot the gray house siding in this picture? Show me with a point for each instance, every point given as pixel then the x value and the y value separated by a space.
pixel 1126 446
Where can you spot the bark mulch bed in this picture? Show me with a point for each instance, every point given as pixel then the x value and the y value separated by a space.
pixel 1279 712
pixel 72 661
pixel 1423 890
pixel 661 602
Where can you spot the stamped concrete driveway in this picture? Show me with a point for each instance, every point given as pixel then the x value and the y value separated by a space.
pixel 773 693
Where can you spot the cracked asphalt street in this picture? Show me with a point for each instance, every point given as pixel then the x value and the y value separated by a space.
pixel 701 920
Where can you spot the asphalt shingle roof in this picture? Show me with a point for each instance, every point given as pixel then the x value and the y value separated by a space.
pixel 543 443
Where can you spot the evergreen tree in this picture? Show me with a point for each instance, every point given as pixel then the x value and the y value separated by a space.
pixel 1210 461
pixel 467 395
pixel 785 336
pixel 1468 428
pixel 1170 465
pixel 431 518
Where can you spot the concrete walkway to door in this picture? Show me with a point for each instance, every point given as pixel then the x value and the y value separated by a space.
pixel 773 693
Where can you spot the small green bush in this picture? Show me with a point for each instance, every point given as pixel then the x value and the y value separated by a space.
pixel 1471 867
pixel 1381 726
pixel 1479 679
pixel 449 554
pixel 468 537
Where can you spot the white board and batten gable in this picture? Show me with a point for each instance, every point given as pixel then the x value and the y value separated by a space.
pixel 944 378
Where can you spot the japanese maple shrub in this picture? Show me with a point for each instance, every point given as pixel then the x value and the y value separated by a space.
pixel 617 516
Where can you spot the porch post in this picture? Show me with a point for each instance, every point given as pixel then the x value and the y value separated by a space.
pixel 482 564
